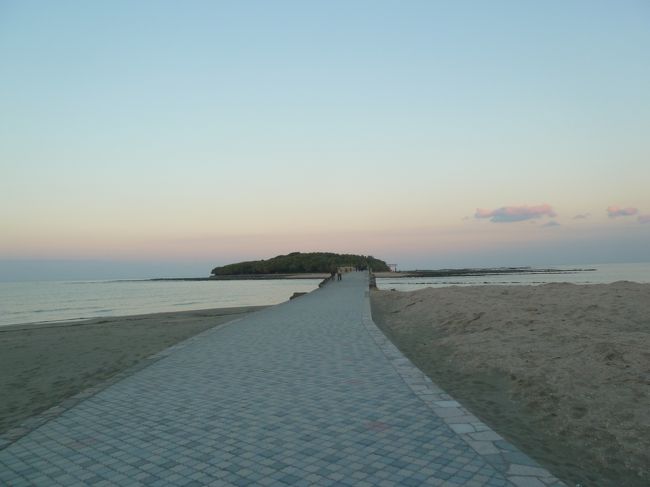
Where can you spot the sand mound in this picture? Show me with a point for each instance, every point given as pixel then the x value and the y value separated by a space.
pixel 562 370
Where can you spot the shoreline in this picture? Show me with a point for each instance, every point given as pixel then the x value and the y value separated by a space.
pixel 54 302
pixel 478 272
pixel 560 370
pixel 44 364
pixel 241 277
pixel 93 320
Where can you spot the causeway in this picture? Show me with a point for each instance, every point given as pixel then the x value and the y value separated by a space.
pixel 308 392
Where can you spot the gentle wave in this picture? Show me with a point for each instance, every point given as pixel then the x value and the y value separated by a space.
pixel 30 302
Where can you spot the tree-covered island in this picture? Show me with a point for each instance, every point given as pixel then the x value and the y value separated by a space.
pixel 300 263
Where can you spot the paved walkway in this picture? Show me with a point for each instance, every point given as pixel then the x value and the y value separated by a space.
pixel 304 393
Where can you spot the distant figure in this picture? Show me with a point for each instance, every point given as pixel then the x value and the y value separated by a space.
pixel 332 275
pixel 338 273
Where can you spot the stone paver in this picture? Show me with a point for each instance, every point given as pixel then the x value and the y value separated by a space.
pixel 305 393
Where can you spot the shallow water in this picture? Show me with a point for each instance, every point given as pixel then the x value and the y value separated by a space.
pixel 602 274
pixel 29 302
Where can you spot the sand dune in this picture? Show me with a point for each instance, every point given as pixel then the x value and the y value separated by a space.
pixel 562 370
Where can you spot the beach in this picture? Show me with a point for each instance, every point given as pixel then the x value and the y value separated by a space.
pixel 43 364
pixel 561 370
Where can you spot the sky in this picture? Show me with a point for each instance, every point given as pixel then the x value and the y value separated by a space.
pixel 140 139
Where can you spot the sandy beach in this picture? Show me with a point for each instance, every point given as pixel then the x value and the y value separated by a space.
pixel 43 364
pixel 561 370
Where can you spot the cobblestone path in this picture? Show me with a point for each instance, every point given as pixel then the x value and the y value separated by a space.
pixel 305 393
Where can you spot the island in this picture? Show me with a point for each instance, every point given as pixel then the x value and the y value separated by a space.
pixel 298 263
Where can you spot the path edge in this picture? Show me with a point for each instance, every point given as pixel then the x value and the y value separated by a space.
pixel 520 469
pixel 34 422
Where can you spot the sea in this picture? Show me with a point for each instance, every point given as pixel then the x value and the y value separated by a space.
pixel 53 301
pixel 576 274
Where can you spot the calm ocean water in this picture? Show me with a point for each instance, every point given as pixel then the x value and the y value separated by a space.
pixel 30 302
pixel 603 273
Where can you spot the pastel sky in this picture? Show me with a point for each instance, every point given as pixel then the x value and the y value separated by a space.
pixel 170 137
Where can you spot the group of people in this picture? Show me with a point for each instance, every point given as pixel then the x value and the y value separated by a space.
pixel 337 272
pixel 336 275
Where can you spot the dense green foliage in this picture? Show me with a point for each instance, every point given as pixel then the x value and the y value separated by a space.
pixel 298 262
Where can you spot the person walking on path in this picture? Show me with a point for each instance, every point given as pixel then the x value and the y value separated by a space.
pixel 338 274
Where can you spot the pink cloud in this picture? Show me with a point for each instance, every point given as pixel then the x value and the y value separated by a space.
pixel 481 213
pixel 508 214
pixel 644 218
pixel 616 211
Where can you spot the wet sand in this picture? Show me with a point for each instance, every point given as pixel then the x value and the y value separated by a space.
pixel 43 364
pixel 561 370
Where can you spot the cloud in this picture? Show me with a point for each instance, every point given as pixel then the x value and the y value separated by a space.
pixel 551 223
pixel 616 211
pixel 582 216
pixel 644 218
pixel 509 214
